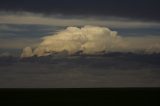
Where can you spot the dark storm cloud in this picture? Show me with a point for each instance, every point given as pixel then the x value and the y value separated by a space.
pixel 138 9
pixel 111 70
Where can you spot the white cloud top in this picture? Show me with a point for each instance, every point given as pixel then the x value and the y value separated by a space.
pixel 92 40
pixel 89 39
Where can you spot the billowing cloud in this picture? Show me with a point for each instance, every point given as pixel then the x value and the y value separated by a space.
pixel 88 39
pixel 27 52
pixel 92 40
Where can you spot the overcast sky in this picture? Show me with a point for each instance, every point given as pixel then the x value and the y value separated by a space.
pixel 137 9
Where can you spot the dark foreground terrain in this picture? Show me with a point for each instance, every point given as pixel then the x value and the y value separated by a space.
pixel 110 70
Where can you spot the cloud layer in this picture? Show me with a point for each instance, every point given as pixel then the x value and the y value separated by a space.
pixel 61 20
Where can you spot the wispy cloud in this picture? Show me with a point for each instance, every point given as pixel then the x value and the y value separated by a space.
pixel 40 19
pixel 5 27
pixel 18 43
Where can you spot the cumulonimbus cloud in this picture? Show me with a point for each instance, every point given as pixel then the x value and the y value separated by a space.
pixel 88 40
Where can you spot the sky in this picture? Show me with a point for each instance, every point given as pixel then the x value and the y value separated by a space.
pixel 138 9
pixel 41 27
pixel 24 23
